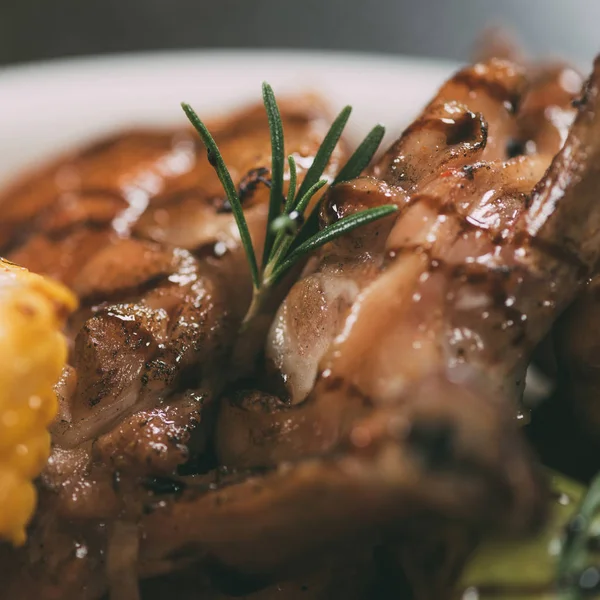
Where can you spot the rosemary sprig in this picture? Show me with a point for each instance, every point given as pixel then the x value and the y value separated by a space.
pixel 572 566
pixel 289 236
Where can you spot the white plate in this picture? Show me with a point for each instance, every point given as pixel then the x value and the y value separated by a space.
pixel 46 108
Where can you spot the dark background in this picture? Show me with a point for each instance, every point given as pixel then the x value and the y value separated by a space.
pixel 44 29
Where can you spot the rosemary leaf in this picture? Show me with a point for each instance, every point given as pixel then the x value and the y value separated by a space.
pixel 289 203
pixel 325 151
pixel 304 200
pixel 277 162
pixel 330 233
pixel 362 156
pixel 217 162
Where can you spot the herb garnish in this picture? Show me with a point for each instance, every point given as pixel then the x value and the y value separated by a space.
pixel 576 578
pixel 290 236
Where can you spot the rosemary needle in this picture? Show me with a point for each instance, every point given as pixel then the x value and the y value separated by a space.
pixel 217 162
pixel 289 203
pixel 277 161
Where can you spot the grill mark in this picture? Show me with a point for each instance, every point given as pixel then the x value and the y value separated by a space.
pixel 515 147
pixel 478 275
pixel 465 134
pixel 333 384
pixel 64 232
pixel 123 294
pixel 24 231
pixel 448 208
pixel 18 237
pixel 21 240
pixel 494 89
pixel 343 200
pixel 559 253
pixel 152 139
pixel 95 191
pixel 356 392
pixel 169 197
pixel 21 232
pixel 466 127
pixel 248 186
pixel 337 384
pixel 57 233
pixel 470 170
pixel 99 147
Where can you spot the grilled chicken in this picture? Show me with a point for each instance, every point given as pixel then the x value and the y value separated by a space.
pixel 392 368
pixel 457 265
pixel 460 288
pixel 138 226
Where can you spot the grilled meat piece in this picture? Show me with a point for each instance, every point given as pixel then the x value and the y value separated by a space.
pixel 462 285
pixel 395 353
pixel 575 336
pixel 138 226
pixel 451 257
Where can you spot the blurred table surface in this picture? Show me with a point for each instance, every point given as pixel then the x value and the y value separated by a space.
pixel 45 29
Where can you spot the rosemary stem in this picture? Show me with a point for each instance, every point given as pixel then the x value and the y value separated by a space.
pixel 283 243
pixel 259 296
pixel 252 333
pixel 288 242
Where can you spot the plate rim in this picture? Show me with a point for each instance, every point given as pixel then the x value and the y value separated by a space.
pixel 67 63
pixel 145 89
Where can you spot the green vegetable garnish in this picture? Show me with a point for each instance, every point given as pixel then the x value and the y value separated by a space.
pixel 577 577
pixel 550 566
